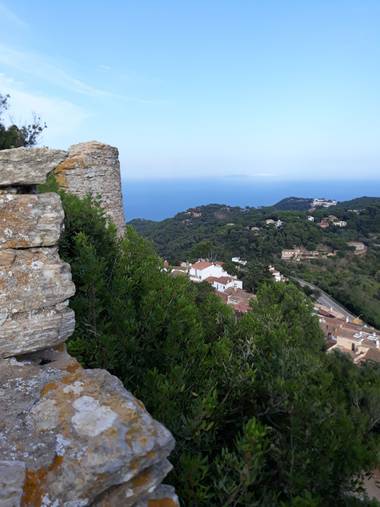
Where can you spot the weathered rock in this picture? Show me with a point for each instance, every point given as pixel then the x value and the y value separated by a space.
pixel 34 286
pixel 94 168
pixel 28 166
pixel 162 496
pixel 35 330
pixel 68 437
pixel 128 493
pixel 12 477
pixel 30 220
pixel 79 434
pixel 32 279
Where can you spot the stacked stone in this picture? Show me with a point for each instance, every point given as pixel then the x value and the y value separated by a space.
pixel 69 437
pixel 94 168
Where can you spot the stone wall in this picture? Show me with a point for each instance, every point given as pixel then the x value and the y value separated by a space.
pixel 69 437
pixel 94 168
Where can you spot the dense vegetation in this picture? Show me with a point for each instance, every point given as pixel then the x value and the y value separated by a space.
pixel 261 414
pixel 14 136
pixel 223 231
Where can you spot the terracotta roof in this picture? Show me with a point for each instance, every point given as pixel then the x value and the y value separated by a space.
pixel 239 293
pixel 241 307
pixel 222 296
pixel 201 265
pixel 206 264
pixel 372 355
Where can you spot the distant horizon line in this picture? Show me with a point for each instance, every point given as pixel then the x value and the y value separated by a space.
pixel 249 178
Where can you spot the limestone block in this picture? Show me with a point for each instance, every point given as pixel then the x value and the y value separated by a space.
pixel 28 166
pixel 33 278
pixel 35 330
pixel 30 220
pixel 78 432
pixel 34 288
pixel 93 168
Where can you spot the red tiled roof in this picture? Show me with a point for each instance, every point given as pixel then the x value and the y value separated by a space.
pixel 206 264
pixel 372 355
pixel 202 265
pixel 239 293
pixel 222 296
pixel 241 307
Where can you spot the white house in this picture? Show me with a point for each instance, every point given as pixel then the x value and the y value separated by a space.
pixel 311 218
pixel 237 260
pixel 278 277
pixel 276 223
pixel 279 224
pixel 340 223
pixel 324 203
pixel 201 270
pixel 223 283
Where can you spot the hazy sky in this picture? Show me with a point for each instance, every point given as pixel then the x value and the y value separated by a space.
pixel 264 89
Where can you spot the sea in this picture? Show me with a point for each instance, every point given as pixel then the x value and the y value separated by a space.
pixel 160 199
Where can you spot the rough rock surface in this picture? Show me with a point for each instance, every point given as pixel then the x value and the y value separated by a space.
pixel 35 286
pixel 30 220
pixel 69 437
pixel 35 330
pixel 163 496
pixel 33 278
pixel 28 166
pixel 82 434
pixel 94 168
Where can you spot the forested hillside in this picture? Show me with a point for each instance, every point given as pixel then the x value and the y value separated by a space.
pixel 221 232
pixel 261 414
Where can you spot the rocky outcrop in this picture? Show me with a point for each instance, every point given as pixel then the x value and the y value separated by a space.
pixel 69 437
pixel 23 166
pixel 94 168
pixel 82 434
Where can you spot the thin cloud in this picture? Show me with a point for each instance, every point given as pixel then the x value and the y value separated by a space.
pixel 62 116
pixel 37 66
pixel 34 65
pixel 9 16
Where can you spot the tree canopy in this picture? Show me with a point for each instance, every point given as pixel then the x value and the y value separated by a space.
pixel 262 415
pixel 14 136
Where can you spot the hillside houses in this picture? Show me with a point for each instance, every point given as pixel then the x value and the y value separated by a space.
pixel 332 220
pixel 194 212
pixel 222 283
pixel 228 287
pixel 238 260
pixel 200 270
pixel 214 274
pixel 323 203
pixel 277 223
pixel 301 254
pixel 360 341
pixel 359 247
pixel 298 254
pixel 239 299
pixel 277 276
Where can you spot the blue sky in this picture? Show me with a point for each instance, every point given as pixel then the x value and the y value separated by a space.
pixel 266 90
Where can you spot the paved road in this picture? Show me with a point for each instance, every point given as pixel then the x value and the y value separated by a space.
pixel 326 300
